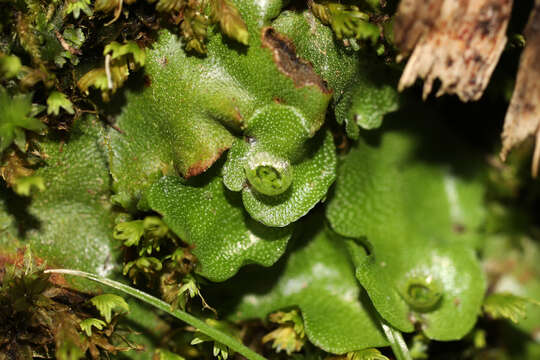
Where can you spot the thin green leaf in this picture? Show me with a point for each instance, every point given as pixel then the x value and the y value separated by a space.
pixel 204 328
pixel 398 345
pixel 220 351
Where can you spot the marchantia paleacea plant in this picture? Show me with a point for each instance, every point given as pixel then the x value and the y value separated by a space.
pixel 251 169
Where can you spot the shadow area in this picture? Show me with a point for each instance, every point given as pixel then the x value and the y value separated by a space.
pixel 18 207
pixel 435 143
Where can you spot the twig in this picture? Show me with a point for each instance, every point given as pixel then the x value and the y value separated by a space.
pixel 65 44
pixel 108 71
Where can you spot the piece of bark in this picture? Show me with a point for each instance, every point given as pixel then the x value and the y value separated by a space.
pixel 414 19
pixel 523 115
pixel 461 47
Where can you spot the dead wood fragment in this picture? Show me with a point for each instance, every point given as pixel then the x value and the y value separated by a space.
pixel 414 19
pixel 457 41
pixel 523 115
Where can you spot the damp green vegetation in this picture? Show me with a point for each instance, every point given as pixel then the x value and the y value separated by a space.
pixel 41 318
pixel 198 179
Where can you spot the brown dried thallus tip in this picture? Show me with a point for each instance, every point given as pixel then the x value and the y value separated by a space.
pixel 289 63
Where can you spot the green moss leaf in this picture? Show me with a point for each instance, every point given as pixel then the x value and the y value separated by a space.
pixel 144 265
pixel 15 119
pixel 346 21
pixel 10 66
pixel 212 219
pixel 512 267
pixel 130 232
pixel 162 354
pixel 170 5
pixel 87 324
pixel 24 185
pixel 415 220
pixel 507 305
pixel 117 50
pixel 119 60
pixel 367 354
pixel 107 5
pixel 290 335
pixel 57 100
pixel 106 303
pixel 74 36
pixel 76 6
pixel 230 20
pixel 318 278
pixel 220 351
pixel 96 78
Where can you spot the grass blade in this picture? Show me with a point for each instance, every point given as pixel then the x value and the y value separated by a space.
pixel 215 334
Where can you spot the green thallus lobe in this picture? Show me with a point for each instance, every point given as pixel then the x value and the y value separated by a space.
pixel 268 174
pixel 422 293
